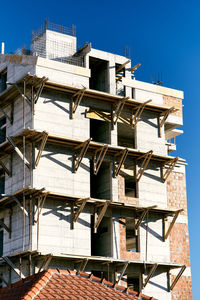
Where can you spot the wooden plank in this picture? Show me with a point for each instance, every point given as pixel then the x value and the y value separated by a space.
pixel 133 69
pixel 169 169
pixel 172 224
pixel 18 151
pixel 84 201
pixel 177 278
pixel 122 160
pixel 121 67
pixel 42 146
pixel 143 215
pixel 99 159
pixel 123 271
pixel 77 161
pixel 119 109
pixel 139 112
pixel 13 267
pixel 101 215
pixel 152 271
pixel 144 165
pixel 8 172
pixel 47 258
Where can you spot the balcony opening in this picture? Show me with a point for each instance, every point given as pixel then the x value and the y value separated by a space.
pixel 101 242
pixel 128 186
pixel 99 79
pixel 2 130
pixel 131 236
pixel 125 135
pixel 100 131
pixel 100 184
pixel 3 80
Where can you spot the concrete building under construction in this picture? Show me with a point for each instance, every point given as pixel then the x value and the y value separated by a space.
pixel 87 182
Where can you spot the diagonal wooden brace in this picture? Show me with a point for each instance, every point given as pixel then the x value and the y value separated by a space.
pixel 151 272
pixel 40 89
pixel 99 159
pixel 47 259
pixel 80 209
pixel 8 172
pixel 78 96
pixel 172 224
pixel 77 160
pixel 118 110
pixel 168 170
pixel 135 117
pixel 42 146
pixel 143 215
pixel 5 226
pixel 117 168
pixel 121 67
pixel 28 100
pixel 97 220
pixel 163 117
pixel 18 151
pixel 13 267
pixel 144 164
pixel 10 118
pixel 123 271
pixel 177 278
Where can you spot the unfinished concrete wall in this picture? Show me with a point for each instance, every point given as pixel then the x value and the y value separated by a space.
pixel 151 190
pixel 19 240
pixel 148 134
pixel 55 173
pixel 55 231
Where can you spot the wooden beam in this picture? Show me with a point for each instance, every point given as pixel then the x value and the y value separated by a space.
pixel 80 209
pixel 18 203
pixel 151 272
pixel 144 165
pixel 172 224
pixel 42 204
pixel 13 267
pixel 143 215
pixel 165 115
pixel 177 278
pixel 42 146
pixel 133 69
pixel 40 89
pixel 121 67
pixel 77 160
pixel 45 262
pixel 101 215
pixel 119 109
pixel 8 172
pixel 7 116
pixel 165 175
pixel 139 110
pixel 123 271
pixel 74 105
pixel 28 100
pixel 97 161
pixel 18 151
pixel 117 168
pixel 83 265
pixel 5 226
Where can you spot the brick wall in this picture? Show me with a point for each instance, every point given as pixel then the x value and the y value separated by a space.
pixel 124 254
pixel 183 289
pixel 176 191
pixel 175 102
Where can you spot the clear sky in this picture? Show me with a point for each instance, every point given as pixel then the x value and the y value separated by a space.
pixel 164 36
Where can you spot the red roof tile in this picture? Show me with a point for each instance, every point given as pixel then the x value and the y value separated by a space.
pixel 66 285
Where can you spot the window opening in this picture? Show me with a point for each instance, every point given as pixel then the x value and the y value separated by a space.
pixel 2 130
pixel 99 74
pixel 131 236
pixel 3 80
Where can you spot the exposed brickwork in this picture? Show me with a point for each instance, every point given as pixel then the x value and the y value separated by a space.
pixel 176 191
pixel 121 192
pixel 179 244
pixel 183 289
pixel 124 254
pixel 175 102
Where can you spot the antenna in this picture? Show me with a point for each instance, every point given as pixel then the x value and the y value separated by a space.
pixel 127 52
pixel 2 48
pixel 159 81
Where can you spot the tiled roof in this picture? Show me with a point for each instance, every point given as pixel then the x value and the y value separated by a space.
pixel 65 285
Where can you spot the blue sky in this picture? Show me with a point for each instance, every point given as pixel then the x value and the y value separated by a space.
pixel 163 36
